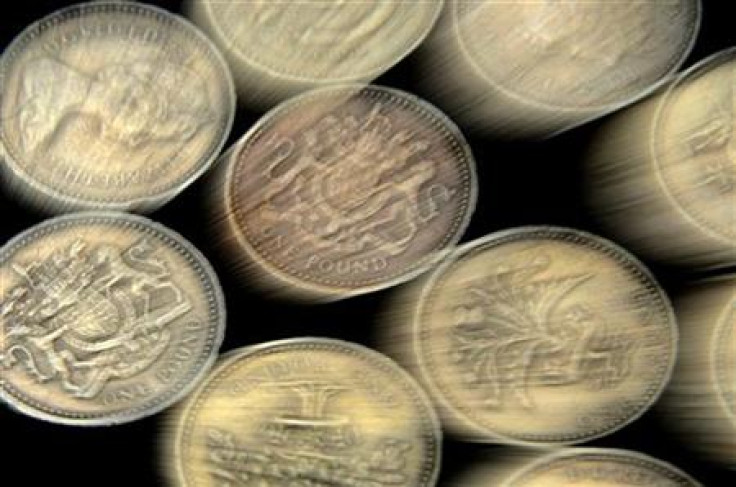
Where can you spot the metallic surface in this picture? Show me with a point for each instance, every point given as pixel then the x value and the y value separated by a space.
pixel 104 318
pixel 543 335
pixel 349 189
pixel 111 105
pixel 325 410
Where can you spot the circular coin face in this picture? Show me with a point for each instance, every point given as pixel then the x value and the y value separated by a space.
pixel 104 318
pixel 112 105
pixel 576 55
pixel 324 410
pixel 349 189
pixel 599 467
pixel 325 41
pixel 694 147
pixel 544 335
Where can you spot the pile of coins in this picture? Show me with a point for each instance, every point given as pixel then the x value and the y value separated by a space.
pixel 532 338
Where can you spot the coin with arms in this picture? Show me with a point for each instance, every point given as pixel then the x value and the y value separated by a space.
pixel 104 318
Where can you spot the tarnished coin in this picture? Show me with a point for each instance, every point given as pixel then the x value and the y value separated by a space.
pixel 694 146
pixel 542 66
pixel 111 105
pixel 543 335
pixel 348 189
pixel 104 318
pixel 277 49
pixel 599 467
pixel 329 411
pixel 701 400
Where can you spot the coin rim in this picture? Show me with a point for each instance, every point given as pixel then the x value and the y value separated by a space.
pixel 231 49
pixel 26 37
pixel 420 397
pixel 216 326
pixel 616 454
pixel 598 110
pixel 418 266
pixel 487 434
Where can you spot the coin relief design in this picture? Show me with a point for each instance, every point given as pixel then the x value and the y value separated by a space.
pixel 105 318
pixel 694 148
pixel 588 55
pixel 544 335
pixel 88 124
pixel 317 409
pixel 724 359
pixel 319 41
pixel 349 189
pixel 599 467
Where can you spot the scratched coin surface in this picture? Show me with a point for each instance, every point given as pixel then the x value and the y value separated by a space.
pixel 325 410
pixel 112 105
pixel 349 189
pixel 309 43
pixel 104 318
pixel 724 358
pixel 543 335
pixel 599 467
pixel 694 147
pixel 575 55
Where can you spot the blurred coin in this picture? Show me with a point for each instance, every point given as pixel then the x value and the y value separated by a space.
pixel 277 49
pixel 543 335
pixel 345 190
pixel 111 105
pixel 701 402
pixel 542 66
pixel 599 467
pixel 663 174
pixel 104 318
pixel 329 411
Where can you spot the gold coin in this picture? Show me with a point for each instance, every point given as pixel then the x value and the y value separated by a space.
pixel 701 401
pixel 538 67
pixel 277 49
pixel 104 318
pixel 543 335
pixel 599 467
pixel 319 409
pixel 347 189
pixel 111 105
pixel 694 146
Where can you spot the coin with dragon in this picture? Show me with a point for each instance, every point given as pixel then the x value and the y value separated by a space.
pixel 600 467
pixel 112 105
pixel 104 318
pixel 592 55
pixel 694 147
pixel 543 335
pixel 306 411
pixel 349 189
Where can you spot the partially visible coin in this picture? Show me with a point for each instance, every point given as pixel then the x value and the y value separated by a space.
pixel 104 318
pixel 543 335
pixel 542 66
pixel 325 410
pixel 701 401
pixel 277 49
pixel 111 105
pixel 347 189
pixel 694 146
pixel 599 467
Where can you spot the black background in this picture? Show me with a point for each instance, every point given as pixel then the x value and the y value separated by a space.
pixel 520 183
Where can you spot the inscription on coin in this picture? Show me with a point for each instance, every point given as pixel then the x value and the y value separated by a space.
pixel 112 105
pixel 539 334
pixel 345 196
pixel 309 411
pixel 101 328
